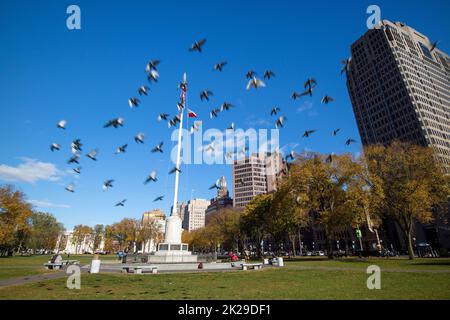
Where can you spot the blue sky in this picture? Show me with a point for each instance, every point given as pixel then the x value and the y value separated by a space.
pixel 49 73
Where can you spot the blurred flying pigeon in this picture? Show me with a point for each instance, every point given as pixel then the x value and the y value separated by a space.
pixel 133 102
pixel 175 169
pixel 268 74
pixel 121 203
pixel 114 123
pixel 139 138
pixel 307 133
pixel 255 83
pixel 204 95
pixel 77 170
pixel 153 75
pixel 158 198
pixel 151 177
pixel 197 46
pixel 158 147
pixel 250 74
pixel 335 132
pixel 143 90
pixel 74 159
pixel 226 106
pixel 55 146
pixel 69 188
pixel 327 99
pixel 107 184
pixel 349 141
pixel 274 111
pixel 219 66
pixel 163 116
pixel 92 155
pixel 62 124
pixel 280 121
pixel 151 65
pixel 121 149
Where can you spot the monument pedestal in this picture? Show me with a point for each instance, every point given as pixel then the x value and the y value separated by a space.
pixel 172 250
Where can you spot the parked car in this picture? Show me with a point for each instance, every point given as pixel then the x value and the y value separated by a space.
pixel 320 253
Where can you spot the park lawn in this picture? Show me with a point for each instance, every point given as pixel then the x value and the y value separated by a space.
pixel 276 283
pixel 20 266
pixel 383 263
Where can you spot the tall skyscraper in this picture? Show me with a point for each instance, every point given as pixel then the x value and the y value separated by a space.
pixel 399 85
pixel 194 214
pixel 254 175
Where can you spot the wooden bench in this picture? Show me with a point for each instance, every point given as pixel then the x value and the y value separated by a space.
pixel 255 266
pixel 70 262
pixel 139 268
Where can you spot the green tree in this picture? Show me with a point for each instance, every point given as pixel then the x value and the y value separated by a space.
pixel 412 183
pixel 44 231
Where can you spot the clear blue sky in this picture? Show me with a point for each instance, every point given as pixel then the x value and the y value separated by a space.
pixel 49 73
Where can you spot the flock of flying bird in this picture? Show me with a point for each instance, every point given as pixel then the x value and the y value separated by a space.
pixel 152 76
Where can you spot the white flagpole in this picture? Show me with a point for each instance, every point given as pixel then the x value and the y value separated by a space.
pixel 177 173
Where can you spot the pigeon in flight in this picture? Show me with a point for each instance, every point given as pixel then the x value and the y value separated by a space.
pixel 327 99
pixel 62 124
pixel 160 198
pixel 215 185
pixel 274 111
pixel 255 83
pixel 335 132
pixel 346 65
pixel 231 127
pixel 151 177
pixel 350 141
pixel 220 65
pixel 153 75
pixel 151 65
pixel 107 184
pixel 214 113
pixel 434 46
pixel 269 74
pixel 210 147
pixel 291 155
pixel 279 122
pixel 307 92
pixel 77 170
pixel 114 123
pixel 197 46
pixel 76 145
pixel 121 203
pixel 310 83
pixel 158 147
pixel 250 74
pixel 92 155
pixel 226 106
pixel 175 169
pixel 143 90
pixel 69 188
pixel 121 149
pixel 174 121
pixel 133 102
pixel 163 116
pixel 204 95
pixel 139 138
pixel 55 146
pixel 307 133
pixel 195 127
pixel 74 159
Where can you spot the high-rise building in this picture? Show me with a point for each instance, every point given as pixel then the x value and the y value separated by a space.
pixel 254 175
pixel 159 218
pixel 194 214
pixel 399 85
pixel 222 200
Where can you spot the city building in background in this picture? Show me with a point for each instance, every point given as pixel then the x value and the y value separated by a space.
pixel 222 199
pixel 400 89
pixel 159 217
pixel 399 85
pixel 194 214
pixel 254 175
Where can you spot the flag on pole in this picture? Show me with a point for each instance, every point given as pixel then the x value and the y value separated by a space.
pixel 191 114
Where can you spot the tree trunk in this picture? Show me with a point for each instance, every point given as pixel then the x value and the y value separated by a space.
pixel 410 244
pixel 300 242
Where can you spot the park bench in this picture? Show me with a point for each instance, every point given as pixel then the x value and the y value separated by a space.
pixel 138 269
pixel 53 265
pixel 70 262
pixel 255 266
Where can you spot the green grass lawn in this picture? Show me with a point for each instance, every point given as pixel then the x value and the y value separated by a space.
pixel 290 282
pixel 18 266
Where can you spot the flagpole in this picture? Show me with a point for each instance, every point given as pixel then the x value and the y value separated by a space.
pixel 177 166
